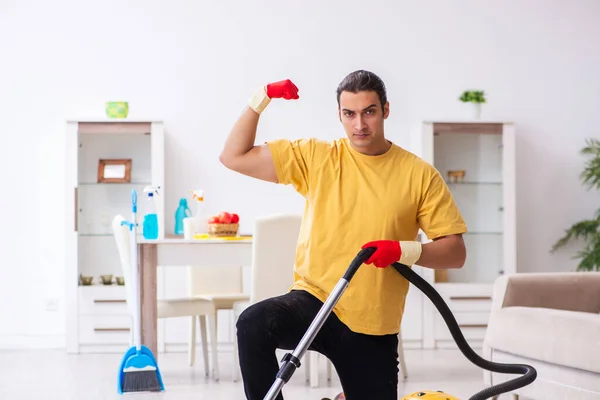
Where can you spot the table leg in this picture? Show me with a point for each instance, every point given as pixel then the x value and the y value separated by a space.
pixel 147 254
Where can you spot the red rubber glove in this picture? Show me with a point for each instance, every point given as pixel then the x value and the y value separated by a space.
pixel 283 89
pixel 388 252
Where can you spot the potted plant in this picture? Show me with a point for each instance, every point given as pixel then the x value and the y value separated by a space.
pixel 587 230
pixel 476 98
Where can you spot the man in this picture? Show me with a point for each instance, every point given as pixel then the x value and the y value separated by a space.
pixel 361 190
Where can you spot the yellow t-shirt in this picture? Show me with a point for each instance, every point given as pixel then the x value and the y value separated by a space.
pixel 351 199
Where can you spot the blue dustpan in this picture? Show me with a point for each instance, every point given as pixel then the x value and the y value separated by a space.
pixel 138 360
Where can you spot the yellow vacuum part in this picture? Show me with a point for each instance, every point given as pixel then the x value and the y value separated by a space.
pixel 430 395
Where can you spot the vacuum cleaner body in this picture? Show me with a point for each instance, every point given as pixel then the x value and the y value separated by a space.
pixel 422 395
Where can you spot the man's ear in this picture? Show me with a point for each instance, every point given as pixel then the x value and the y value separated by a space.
pixel 386 110
pixel 339 112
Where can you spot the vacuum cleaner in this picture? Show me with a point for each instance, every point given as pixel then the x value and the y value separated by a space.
pixel 291 361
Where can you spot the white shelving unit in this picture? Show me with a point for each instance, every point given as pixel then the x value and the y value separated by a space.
pixel 96 315
pixel 486 196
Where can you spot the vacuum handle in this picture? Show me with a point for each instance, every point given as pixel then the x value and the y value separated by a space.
pixel 360 258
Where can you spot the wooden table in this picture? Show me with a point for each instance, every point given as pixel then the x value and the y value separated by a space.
pixel 180 252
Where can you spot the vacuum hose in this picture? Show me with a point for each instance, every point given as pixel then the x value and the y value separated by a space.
pixel 529 373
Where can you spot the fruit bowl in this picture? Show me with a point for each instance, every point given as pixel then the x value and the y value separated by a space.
pixel 223 224
pixel 223 229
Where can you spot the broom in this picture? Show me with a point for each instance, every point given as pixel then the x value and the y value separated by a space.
pixel 138 371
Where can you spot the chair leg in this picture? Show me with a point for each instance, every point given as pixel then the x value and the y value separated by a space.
pixel 192 342
pixel 401 359
pixel 212 325
pixel 314 368
pixel 203 337
pixel 306 364
pixel 235 358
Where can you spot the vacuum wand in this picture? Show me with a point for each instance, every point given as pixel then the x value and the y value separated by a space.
pixel 292 361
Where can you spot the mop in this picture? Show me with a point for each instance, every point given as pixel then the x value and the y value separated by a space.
pixel 138 371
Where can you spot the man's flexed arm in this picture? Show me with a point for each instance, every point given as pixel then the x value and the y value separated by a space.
pixel 240 153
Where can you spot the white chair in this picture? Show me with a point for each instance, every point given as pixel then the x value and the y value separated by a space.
pixel 171 308
pixel 273 254
pixel 222 287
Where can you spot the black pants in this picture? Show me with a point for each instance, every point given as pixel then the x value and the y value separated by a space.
pixel 366 365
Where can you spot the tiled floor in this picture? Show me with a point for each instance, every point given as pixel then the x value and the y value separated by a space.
pixel 49 375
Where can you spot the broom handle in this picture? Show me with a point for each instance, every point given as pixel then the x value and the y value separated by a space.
pixel 137 331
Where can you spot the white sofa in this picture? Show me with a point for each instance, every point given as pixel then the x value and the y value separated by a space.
pixel 550 321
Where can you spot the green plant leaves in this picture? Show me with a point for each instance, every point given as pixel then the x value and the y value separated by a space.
pixel 472 96
pixel 587 230
pixel 590 176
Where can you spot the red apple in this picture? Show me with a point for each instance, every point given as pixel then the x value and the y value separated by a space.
pixel 225 217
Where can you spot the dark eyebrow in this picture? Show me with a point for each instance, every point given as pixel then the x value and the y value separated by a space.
pixel 364 109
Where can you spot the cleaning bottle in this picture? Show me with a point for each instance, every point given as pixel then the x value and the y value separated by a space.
pixel 201 219
pixel 182 212
pixel 150 224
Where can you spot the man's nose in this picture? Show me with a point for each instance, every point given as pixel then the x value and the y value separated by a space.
pixel 359 122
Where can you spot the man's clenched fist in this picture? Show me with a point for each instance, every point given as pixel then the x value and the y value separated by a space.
pixel 283 89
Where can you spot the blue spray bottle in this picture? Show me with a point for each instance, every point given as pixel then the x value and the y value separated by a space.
pixel 182 212
pixel 150 224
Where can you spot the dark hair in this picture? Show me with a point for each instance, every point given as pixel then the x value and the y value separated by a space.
pixel 362 80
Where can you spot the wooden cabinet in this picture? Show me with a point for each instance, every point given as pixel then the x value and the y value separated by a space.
pixel 477 160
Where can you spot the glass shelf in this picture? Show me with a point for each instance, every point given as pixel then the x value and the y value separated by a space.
pixel 481 206
pixel 480 199
pixel 484 261
pixel 97 203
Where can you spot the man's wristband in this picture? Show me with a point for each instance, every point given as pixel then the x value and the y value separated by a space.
pixel 259 100
pixel 411 252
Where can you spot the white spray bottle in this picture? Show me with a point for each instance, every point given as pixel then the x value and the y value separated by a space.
pixel 200 217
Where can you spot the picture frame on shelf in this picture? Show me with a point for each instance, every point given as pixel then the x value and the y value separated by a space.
pixel 114 171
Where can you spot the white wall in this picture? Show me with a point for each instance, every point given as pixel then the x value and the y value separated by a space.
pixel 194 64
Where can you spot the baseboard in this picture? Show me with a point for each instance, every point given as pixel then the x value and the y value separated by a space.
pixel 21 342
